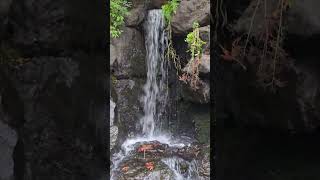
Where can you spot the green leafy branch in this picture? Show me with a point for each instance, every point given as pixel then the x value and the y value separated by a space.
pixel 168 10
pixel 118 10
pixel 194 41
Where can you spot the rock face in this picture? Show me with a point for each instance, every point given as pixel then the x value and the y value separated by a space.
pixel 49 92
pixel 292 107
pixel 301 19
pixel 139 9
pixel 188 12
pixel 129 108
pixel 4 7
pixel 52 95
pixel 34 28
pixel 128 77
pixel 4 10
pixel 113 128
pixel 304 18
pixel 128 54
pixel 8 140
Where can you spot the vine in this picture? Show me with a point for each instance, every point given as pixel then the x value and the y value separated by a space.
pixel 168 11
pixel 266 47
pixel 118 10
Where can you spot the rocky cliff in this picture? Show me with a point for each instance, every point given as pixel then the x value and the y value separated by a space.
pixel 52 109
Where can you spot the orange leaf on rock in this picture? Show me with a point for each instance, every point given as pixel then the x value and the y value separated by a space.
pixel 149 166
pixel 125 169
pixel 145 147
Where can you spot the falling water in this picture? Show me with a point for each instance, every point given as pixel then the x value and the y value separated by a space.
pixel 154 89
pixel 154 102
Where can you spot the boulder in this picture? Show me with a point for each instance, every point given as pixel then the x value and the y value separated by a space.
pixel 200 95
pixel 138 11
pixel 188 12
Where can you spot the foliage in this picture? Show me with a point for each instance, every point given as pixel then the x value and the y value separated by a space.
pixel 118 10
pixel 195 44
pixel 169 9
pixel 194 41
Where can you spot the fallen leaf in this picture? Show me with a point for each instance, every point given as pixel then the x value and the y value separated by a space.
pixel 145 147
pixel 149 166
pixel 125 169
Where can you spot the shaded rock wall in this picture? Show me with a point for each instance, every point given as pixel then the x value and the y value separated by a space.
pixel 53 89
pixel 292 107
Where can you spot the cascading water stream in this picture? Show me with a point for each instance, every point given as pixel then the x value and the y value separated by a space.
pixel 154 88
pixel 154 102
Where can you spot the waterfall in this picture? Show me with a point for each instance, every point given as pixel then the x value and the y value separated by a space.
pixel 154 90
pixel 154 101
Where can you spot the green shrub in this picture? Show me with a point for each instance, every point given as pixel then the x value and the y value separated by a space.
pixel 118 10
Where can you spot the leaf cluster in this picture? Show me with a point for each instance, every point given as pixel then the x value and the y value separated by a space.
pixel 118 10
pixel 169 9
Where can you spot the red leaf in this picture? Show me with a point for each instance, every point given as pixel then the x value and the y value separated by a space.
pixel 149 166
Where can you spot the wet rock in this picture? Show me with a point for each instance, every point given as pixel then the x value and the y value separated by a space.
pixel 200 95
pixel 128 54
pixel 139 10
pixel 113 136
pixel 158 3
pixel 137 13
pixel 128 104
pixel 135 166
pixel 189 12
pixel 113 129
pixel 8 140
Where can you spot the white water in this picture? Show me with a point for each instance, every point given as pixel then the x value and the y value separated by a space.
pixel 155 86
pixel 154 101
